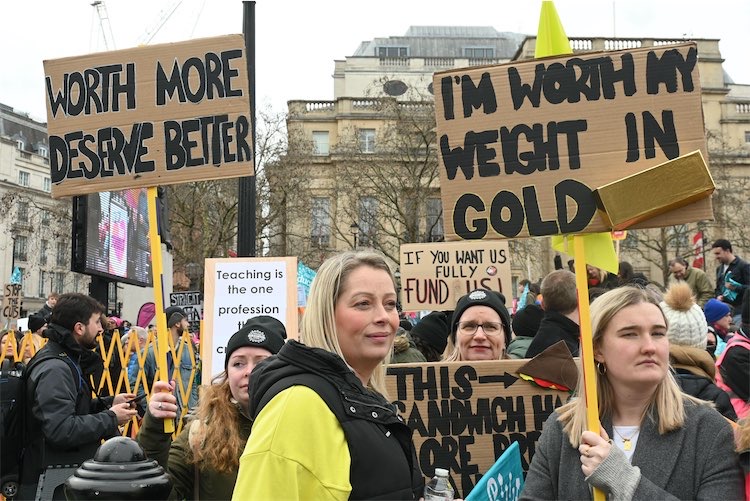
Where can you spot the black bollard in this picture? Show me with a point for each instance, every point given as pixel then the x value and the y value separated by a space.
pixel 119 470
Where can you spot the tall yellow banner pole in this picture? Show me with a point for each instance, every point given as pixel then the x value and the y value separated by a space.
pixel 158 272
pixel 587 344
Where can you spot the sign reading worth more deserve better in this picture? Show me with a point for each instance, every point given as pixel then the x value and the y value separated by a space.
pixel 148 116
pixel 523 146
pixel 237 289
pixel 434 276
pixel 465 415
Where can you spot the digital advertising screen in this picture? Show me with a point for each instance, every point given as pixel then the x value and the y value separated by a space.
pixel 110 236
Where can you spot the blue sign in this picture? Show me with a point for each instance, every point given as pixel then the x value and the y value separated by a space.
pixel 503 481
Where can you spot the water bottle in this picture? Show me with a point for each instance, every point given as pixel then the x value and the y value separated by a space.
pixel 439 488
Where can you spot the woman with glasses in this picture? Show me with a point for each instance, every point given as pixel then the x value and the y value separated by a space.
pixel 480 329
pixel 655 442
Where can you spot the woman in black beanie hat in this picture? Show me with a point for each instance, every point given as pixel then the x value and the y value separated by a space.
pixel 480 327
pixel 430 334
pixel 204 459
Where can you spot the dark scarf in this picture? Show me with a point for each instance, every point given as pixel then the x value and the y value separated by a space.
pixel 88 360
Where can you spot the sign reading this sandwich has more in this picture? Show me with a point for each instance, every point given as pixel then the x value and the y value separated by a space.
pixel 522 146
pixel 148 116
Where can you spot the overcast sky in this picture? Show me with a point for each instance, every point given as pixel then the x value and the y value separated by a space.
pixel 298 40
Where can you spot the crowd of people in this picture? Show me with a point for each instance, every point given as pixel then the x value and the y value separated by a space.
pixel 673 381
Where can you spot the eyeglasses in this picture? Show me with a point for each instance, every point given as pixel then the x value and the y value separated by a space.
pixel 490 328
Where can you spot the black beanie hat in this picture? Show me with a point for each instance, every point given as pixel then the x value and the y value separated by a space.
pixel 433 329
pixel 259 332
pixel 171 311
pixel 526 321
pixel 36 322
pixel 482 297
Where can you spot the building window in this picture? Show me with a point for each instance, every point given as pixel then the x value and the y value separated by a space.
pixel 59 281
pixel 42 151
pixel 19 248
pixel 367 221
pixel 320 232
pixel 747 136
pixel 367 140
pixel 43 252
pixel 320 142
pixel 678 236
pixel 20 144
pixel 47 184
pixel 435 220
pixel 393 51
pixel 42 281
pixel 61 253
pixel 395 88
pixel 479 52
pixel 23 212
pixel 23 178
pixel 45 217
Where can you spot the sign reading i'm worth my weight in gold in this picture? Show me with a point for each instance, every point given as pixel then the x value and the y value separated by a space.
pixel 149 116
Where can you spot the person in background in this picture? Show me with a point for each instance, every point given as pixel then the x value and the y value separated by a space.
pixel 46 311
pixel 693 367
pixel 719 319
pixel 525 326
pixel 600 278
pixel 733 374
pixel 560 321
pixel 696 278
pixel 204 458
pixel 664 444
pixel 186 368
pixel 37 325
pixel 65 424
pixel 132 351
pixel 324 426
pixel 732 277
pixel 404 349
pixel 9 344
pixel 430 334
pixel 480 328
pixel 627 275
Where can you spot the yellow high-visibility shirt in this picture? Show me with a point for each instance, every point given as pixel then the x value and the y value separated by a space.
pixel 297 451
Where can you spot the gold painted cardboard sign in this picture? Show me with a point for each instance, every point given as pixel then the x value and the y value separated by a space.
pixel 465 414
pixel 435 275
pixel 643 195
pixel 147 116
pixel 522 146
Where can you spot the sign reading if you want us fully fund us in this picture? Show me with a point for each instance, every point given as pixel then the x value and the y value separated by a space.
pixel 148 116
pixel 522 146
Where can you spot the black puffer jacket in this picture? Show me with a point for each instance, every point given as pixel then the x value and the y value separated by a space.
pixel 694 371
pixel 383 465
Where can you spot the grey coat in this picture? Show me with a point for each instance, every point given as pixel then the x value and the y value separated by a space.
pixel 696 462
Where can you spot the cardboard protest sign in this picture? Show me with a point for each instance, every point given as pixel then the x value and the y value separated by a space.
pixel 523 145
pixel 12 301
pixel 466 414
pixel 148 116
pixel 192 304
pixel 434 276
pixel 237 289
